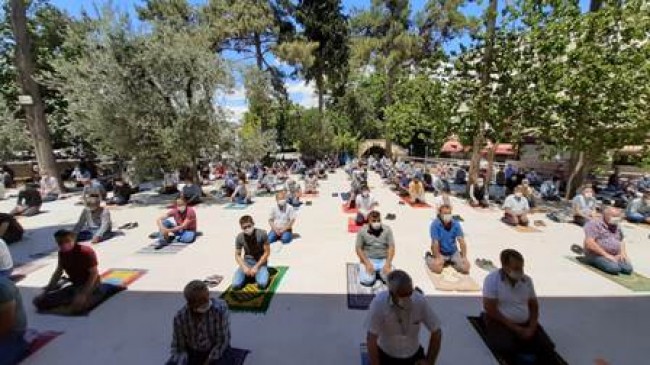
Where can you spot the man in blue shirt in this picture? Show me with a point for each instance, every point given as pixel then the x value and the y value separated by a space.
pixel 13 323
pixel 446 237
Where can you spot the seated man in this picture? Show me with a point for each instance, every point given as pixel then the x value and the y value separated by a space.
pixel 49 187
pixel 201 329
pixel 267 182
pixel 79 263
pixel 375 248
pixel 241 195
pixel 13 323
pixel 252 265
pixel 355 188
pixel 29 201
pixel 416 191
pixel 394 322
pixel 478 194
pixel 94 222
pixel 511 314
pixel 365 204
pixel 170 183
pixel 638 210
pixel 121 193
pixel 311 183
pixel 584 206
pixel 516 208
pixel 6 261
pixel 229 184
pixel 550 189
pixel 191 192
pixel 443 198
pixel 178 224
pixel 283 217
pixel 446 237
pixel 93 187
pixel 529 192
pixel 293 192
pixel 10 230
pixel 604 245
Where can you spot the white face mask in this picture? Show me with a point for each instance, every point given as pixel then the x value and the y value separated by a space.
pixel 249 231
pixel 518 195
pixel 365 194
pixel 204 308
pixel 589 195
pixel 404 302
pixel 446 218
pixel 375 225
pixel 614 221
pixel 282 203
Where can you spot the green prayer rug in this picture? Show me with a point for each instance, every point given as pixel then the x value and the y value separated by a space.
pixel 250 298
pixel 635 282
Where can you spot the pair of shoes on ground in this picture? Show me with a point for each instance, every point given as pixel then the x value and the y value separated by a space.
pixel 129 225
pixel 391 216
pixel 485 264
pixel 577 250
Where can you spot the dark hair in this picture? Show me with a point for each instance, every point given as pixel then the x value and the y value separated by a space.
pixel 374 215
pixel 245 219
pixel 444 206
pixel 508 255
pixel 62 234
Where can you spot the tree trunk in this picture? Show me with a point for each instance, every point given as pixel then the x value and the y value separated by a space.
pixel 320 90
pixel 483 107
pixel 577 175
pixel 259 57
pixel 595 5
pixel 490 168
pixel 34 113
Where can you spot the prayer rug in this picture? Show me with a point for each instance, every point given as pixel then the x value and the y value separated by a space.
pixel 479 326
pixel 264 194
pixel 360 296
pixel 407 200
pixel 634 282
pixel 21 271
pixel 154 249
pixel 310 195
pixel 122 277
pixel 235 206
pixel 101 295
pixel 348 210
pixel 250 298
pixel 523 229
pixel 452 280
pixel 38 340
pixel 352 226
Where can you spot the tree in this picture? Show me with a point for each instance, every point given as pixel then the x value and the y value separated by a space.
pixel 440 22
pixel 254 142
pixel 309 135
pixel 325 26
pixel 35 111
pixel 13 136
pixel 156 90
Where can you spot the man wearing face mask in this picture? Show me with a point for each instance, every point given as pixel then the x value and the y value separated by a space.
pixel 375 248
pixel 79 263
pixel 416 191
pixel 241 195
pixel 604 245
pixel 511 313
pixel 365 203
pixel 529 192
pixel 293 192
pixel 201 329
pixel 257 250
pixel 283 217
pixel 393 325
pixel 446 237
pixel 516 208
pixel 94 222
pixel 311 183
pixel 584 206
pixel 638 210
pixel 178 224
pixel 478 194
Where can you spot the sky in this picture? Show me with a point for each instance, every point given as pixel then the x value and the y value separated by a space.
pixel 235 102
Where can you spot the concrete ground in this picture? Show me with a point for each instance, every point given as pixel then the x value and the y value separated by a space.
pixel 308 321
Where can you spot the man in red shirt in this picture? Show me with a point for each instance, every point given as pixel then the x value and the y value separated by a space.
pixel 178 224
pixel 79 264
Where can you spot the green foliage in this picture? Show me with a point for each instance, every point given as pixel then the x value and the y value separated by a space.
pixel 13 133
pixel 309 134
pixel 254 142
pixel 153 89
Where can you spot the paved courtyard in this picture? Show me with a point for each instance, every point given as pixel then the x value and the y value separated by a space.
pixel 308 322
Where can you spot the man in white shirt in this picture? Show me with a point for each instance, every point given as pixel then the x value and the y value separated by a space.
pixel 366 203
pixel 49 187
pixel 393 325
pixel 283 216
pixel 516 208
pixel 512 313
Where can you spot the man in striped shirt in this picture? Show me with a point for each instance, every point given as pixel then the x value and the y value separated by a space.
pixel 201 328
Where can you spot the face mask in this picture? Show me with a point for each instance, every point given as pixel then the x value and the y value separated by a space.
pixel 282 203
pixel 518 195
pixel 365 194
pixel 589 195
pixel 614 221
pixel 66 247
pixel 404 302
pixel 480 184
pixel 375 225
pixel 515 276
pixel 249 231
pixel 204 308
pixel 182 209
pixel 447 218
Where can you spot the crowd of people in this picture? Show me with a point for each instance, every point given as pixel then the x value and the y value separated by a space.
pixel 201 329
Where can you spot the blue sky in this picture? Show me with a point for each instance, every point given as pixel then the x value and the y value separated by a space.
pixel 235 102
